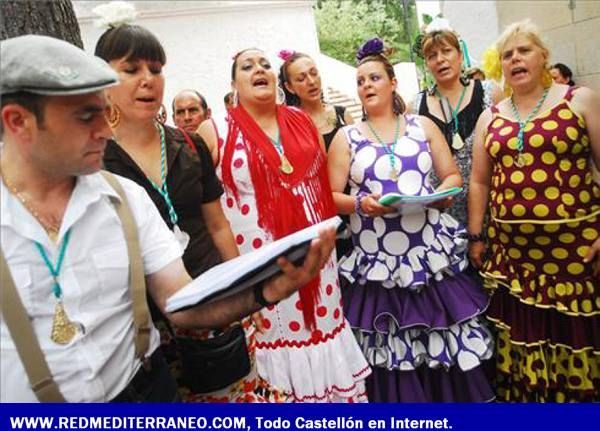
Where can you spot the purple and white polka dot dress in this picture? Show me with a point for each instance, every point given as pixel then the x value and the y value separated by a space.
pixel 415 314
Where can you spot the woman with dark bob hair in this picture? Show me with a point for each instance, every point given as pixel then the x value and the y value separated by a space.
pixel 181 181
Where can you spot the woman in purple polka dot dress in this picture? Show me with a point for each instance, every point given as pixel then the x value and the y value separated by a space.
pixel 416 316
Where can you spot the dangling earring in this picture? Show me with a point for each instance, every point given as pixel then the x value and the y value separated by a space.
pixel 161 117
pixel 507 89
pixel 547 78
pixel 113 117
pixel 280 100
pixel 235 99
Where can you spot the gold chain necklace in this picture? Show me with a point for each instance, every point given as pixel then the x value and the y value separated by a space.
pixel 51 226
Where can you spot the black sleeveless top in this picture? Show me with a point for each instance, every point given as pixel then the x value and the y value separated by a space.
pixel 339 123
pixel 467 118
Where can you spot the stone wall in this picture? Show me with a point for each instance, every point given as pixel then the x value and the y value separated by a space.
pixel 571 29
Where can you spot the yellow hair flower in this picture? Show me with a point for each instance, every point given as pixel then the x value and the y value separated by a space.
pixel 491 64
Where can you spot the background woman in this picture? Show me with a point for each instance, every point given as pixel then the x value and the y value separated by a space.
pixel 561 73
pixel 274 172
pixel 415 314
pixel 453 104
pixel 532 166
pixel 300 80
pixel 183 185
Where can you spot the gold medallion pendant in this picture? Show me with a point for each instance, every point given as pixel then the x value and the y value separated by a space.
pixel 520 160
pixel 286 167
pixel 63 330
pixel 52 234
pixel 393 175
pixel 457 142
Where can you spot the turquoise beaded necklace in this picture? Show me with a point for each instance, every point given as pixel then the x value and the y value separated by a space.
pixel 164 192
pixel 520 158
pixel 389 149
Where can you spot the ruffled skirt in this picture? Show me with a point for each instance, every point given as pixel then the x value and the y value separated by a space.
pixel 546 310
pixel 418 318
pixel 422 347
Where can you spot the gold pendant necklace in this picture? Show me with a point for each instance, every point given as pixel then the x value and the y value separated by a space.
pixel 286 167
pixel 63 329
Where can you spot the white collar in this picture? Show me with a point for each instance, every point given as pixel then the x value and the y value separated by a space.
pixel 88 190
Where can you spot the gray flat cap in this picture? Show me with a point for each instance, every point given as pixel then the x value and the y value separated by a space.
pixel 51 67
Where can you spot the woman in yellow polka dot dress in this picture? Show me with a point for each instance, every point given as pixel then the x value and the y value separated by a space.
pixel 532 163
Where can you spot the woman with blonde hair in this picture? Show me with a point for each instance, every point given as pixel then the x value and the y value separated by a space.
pixel 532 171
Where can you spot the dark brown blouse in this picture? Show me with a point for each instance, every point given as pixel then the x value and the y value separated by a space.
pixel 191 182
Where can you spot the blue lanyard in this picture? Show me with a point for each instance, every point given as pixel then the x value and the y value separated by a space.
pixel 55 270
pixel 164 192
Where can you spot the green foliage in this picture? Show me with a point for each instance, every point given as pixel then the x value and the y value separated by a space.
pixel 343 26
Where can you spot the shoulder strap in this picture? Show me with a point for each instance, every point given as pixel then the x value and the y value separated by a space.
pixel 188 140
pixel 339 113
pixel 21 330
pixel 137 284
pixel 569 93
pixel 28 347
pixel 418 101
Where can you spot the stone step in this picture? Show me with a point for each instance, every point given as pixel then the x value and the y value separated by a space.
pixel 336 97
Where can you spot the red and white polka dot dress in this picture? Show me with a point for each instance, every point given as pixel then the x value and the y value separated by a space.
pixel 323 366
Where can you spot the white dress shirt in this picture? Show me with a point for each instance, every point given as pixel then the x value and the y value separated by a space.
pixel 98 363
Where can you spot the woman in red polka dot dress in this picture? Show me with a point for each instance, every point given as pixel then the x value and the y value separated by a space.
pixel 273 168
pixel 533 161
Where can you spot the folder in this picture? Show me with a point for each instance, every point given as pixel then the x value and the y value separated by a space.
pixel 243 272
pixel 409 203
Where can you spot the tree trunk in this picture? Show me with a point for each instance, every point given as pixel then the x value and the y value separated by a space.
pixel 50 18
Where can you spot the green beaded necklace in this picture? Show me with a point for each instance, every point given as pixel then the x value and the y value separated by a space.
pixel 389 149
pixel 520 158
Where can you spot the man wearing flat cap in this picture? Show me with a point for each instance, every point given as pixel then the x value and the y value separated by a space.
pixel 71 272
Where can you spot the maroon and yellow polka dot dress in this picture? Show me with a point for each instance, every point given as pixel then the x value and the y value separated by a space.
pixel 544 217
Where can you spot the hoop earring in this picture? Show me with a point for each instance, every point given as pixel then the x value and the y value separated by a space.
pixel 161 117
pixel 431 91
pixel 464 79
pixel 113 117
pixel 235 100
pixel 280 99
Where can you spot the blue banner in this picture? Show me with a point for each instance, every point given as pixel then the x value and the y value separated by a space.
pixel 256 417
